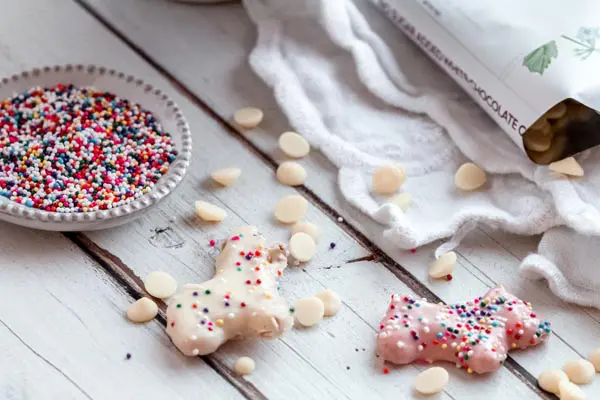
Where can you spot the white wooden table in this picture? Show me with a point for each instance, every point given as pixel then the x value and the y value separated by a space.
pixel 63 334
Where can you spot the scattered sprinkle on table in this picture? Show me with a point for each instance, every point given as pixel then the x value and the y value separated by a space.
pixel 128 356
pixel 469 177
pixel 143 310
pixel 244 365
pixel 226 176
pixel 332 245
pixel 293 144
pixel 291 209
pixel 248 117
pixel 69 149
pixel 291 173
pixel 209 212
pixel 160 284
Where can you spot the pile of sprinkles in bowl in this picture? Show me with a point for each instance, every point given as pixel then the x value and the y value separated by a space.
pixel 77 149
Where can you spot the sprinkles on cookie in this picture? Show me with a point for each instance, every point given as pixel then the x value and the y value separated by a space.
pixel 70 149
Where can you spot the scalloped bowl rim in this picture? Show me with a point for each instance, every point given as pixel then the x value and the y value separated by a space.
pixel 165 185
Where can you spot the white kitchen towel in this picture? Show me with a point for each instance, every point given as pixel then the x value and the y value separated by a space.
pixel 356 88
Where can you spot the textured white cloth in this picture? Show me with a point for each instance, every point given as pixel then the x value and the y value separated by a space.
pixel 357 89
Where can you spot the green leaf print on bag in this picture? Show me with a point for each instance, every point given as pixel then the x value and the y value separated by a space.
pixel 539 59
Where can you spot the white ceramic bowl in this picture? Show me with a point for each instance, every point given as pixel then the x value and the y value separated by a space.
pixel 125 86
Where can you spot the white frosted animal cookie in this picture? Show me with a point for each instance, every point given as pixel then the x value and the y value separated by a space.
pixel 209 212
pixel 331 300
pixel 291 173
pixel 291 209
pixel 248 117
pixel 142 310
pixel 307 227
pixel 302 247
pixel 580 372
pixel 293 145
pixel 570 391
pixel 443 266
pixel 594 358
pixel 402 200
pixel 240 301
pixel 309 310
pixel 388 179
pixel 431 381
pixel 567 166
pixel 244 365
pixel 160 284
pixel 550 380
pixel 226 176
pixel 469 177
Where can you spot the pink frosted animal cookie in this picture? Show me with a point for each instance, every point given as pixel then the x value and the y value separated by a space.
pixel 475 335
pixel 240 301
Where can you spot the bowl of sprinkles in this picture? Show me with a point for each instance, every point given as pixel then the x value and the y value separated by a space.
pixel 86 147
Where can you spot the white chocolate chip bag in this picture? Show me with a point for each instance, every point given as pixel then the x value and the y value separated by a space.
pixel 533 66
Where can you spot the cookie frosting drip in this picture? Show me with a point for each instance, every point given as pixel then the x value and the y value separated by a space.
pixel 475 335
pixel 241 300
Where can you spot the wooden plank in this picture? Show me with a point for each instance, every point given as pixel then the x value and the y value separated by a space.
pixel 226 83
pixel 319 356
pixel 63 334
pixel 285 366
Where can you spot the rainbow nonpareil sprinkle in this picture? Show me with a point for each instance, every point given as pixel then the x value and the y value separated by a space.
pixel 70 149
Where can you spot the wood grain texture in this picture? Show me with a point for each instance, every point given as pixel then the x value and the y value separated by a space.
pixel 326 357
pixel 226 83
pixel 64 335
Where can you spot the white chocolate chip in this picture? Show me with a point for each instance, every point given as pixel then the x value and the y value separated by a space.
pixel 309 310
pixel 550 379
pixel 402 200
pixel 307 227
pixel 580 372
pixel 569 391
pixel 293 144
pixel 432 380
pixel 291 209
pixel 595 359
pixel 331 300
pixel 388 179
pixel 142 310
pixel 209 212
pixel 160 284
pixel 291 173
pixel 248 117
pixel 244 365
pixel 567 166
pixel 302 247
pixel 226 176
pixel 469 177
pixel 443 266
